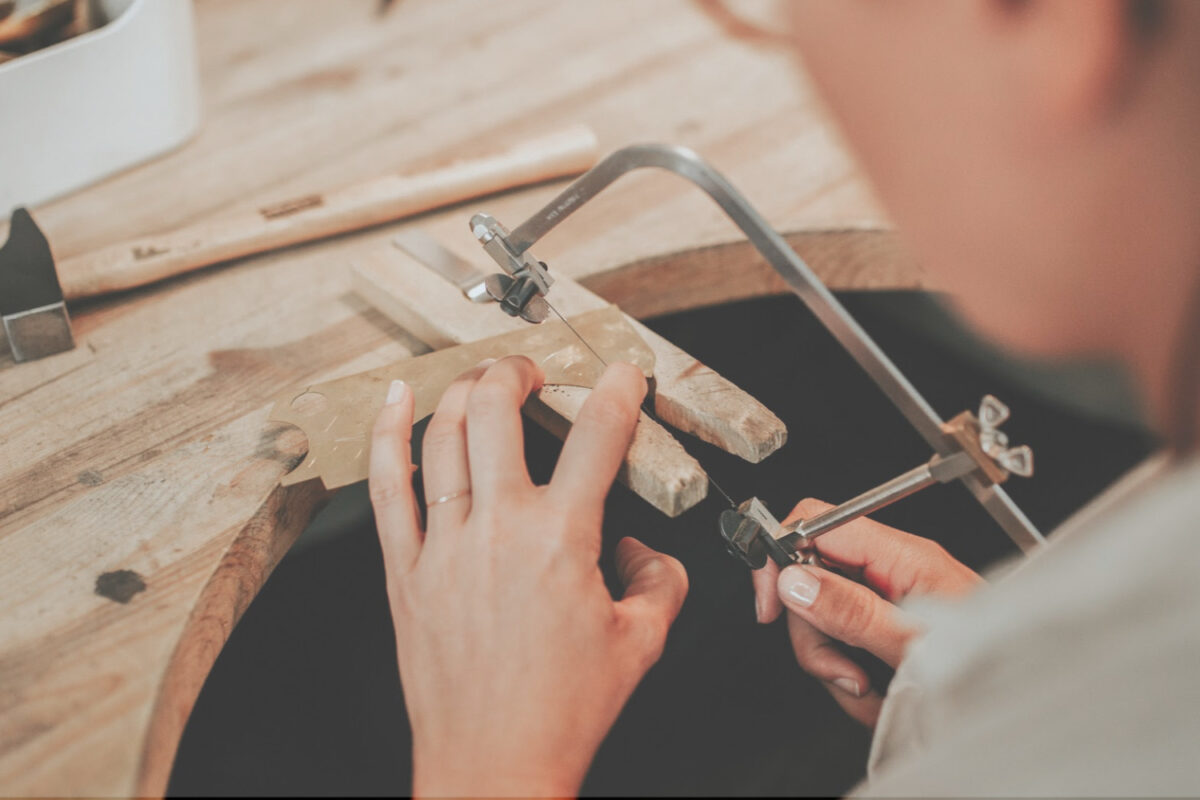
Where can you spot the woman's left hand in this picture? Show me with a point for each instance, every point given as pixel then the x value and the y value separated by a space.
pixel 514 657
pixel 887 565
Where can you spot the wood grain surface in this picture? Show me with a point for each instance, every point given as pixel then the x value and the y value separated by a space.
pixel 140 507
pixel 388 198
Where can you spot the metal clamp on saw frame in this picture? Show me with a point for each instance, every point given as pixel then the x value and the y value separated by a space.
pixel 520 292
pixel 527 279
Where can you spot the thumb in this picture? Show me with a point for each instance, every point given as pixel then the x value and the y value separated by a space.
pixel 847 611
pixel 655 587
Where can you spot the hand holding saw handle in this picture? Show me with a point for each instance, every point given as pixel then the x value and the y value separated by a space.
pixel 843 627
pixel 753 535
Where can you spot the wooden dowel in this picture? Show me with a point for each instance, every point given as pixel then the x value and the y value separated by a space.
pixel 136 263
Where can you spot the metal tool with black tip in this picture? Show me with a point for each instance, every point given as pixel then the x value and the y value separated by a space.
pixel 31 300
pixel 753 535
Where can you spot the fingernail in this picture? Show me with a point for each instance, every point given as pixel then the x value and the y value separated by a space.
pixel 799 585
pixel 397 391
pixel 758 608
pixel 848 685
pixel 487 362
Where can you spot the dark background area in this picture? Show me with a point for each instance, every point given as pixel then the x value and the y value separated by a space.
pixel 305 698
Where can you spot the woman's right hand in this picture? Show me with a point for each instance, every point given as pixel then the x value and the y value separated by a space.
pixel 886 565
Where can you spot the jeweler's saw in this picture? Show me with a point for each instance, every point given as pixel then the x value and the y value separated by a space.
pixel 969 448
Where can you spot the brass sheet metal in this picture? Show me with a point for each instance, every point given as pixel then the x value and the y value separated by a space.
pixel 337 416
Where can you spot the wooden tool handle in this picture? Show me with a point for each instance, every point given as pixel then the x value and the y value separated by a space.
pixel 302 219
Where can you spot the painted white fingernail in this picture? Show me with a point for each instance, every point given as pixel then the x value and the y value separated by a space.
pixel 799 586
pixel 848 685
pixel 397 391
pixel 487 362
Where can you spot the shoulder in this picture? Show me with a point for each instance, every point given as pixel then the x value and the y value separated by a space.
pixel 1048 677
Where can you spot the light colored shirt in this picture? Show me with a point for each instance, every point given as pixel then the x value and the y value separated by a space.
pixel 1076 673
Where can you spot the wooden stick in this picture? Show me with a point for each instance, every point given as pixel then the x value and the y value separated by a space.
pixel 302 219
pixel 688 395
pixel 656 468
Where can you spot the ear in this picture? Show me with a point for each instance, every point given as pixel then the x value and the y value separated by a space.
pixel 1074 57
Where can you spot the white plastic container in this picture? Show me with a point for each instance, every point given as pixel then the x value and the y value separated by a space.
pixel 80 110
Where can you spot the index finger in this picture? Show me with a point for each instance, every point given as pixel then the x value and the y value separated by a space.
pixel 600 437
pixel 495 435
pixel 892 561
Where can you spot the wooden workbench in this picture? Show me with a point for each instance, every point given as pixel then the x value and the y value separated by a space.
pixel 139 502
